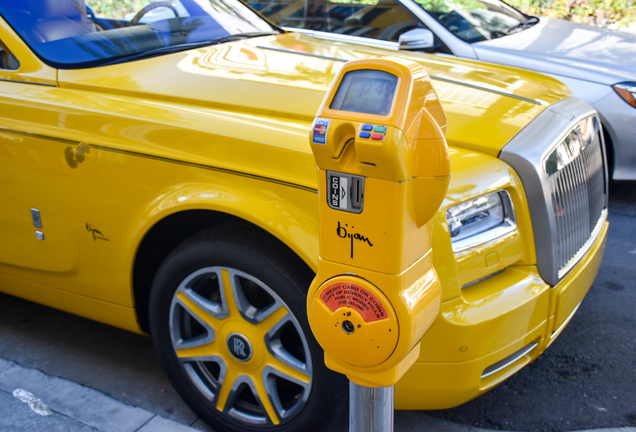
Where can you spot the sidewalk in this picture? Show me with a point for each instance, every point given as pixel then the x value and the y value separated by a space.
pixel 75 408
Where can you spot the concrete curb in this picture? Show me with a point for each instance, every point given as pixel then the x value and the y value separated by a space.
pixel 76 408
pixel 73 406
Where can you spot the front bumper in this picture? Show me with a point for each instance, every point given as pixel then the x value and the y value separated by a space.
pixel 492 330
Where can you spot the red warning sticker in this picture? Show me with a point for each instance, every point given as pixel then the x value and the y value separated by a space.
pixel 356 297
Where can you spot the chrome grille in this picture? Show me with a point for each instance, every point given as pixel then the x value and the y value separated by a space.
pixel 559 157
pixel 578 196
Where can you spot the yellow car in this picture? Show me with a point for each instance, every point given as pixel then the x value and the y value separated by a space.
pixel 156 175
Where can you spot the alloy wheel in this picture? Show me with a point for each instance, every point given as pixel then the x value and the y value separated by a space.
pixel 241 346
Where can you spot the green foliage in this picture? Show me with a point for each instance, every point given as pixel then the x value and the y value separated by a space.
pixel 603 13
pixel 435 5
pixel 449 5
pixel 116 8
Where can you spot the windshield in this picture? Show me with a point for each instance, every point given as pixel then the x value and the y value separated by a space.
pixel 83 33
pixel 476 20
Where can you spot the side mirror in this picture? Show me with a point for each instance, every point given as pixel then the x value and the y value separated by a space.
pixel 416 39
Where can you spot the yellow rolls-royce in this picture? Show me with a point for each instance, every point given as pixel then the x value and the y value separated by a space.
pixel 156 175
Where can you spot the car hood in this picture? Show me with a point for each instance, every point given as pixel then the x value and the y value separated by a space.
pixel 285 77
pixel 567 49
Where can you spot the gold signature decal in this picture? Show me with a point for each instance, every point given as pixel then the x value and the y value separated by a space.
pixel 76 157
pixel 97 234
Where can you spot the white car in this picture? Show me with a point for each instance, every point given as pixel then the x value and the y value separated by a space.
pixel 598 65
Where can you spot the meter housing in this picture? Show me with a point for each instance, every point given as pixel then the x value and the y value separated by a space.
pixel 383 171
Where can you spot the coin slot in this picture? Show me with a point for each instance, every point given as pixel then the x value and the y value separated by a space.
pixel 357 192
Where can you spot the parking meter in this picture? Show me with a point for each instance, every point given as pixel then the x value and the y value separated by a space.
pixel 383 171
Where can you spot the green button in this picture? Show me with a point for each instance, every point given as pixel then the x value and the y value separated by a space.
pixel 380 129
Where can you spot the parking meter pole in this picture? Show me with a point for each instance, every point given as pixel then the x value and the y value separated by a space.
pixel 370 409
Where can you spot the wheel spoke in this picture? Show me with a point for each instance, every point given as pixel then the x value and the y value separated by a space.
pixel 270 376
pixel 230 390
pixel 290 372
pixel 251 313
pixel 281 358
pixel 198 353
pixel 263 398
pixel 207 320
pixel 229 290
pixel 287 361
pixel 226 390
pixel 273 320
pixel 213 275
pixel 206 305
pixel 201 377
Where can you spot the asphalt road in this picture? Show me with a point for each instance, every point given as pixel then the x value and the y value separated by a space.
pixel 586 379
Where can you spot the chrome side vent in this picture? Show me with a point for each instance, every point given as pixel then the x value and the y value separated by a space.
pixel 560 158
pixel 508 361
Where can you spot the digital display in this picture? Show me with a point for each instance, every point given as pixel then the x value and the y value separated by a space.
pixel 366 92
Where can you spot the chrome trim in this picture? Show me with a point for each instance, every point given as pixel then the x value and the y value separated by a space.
pixel 302 53
pixel 39 235
pixel 562 326
pixel 375 43
pixel 508 361
pixel 37 219
pixel 34 135
pixel 485 237
pixel 337 37
pixel 160 158
pixel 487 89
pixel 527 153
pixel 469 284
pixel 586 247
pixel 569 150
pixel 574 171
pixel 27 82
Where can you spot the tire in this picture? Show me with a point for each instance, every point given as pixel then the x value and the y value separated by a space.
pixel 229 323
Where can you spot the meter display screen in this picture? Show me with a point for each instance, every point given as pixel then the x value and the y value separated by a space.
pixel 366 92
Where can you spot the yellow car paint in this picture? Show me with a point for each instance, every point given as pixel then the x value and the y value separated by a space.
pixel 223 129
pixel 467 339
pixel 32 70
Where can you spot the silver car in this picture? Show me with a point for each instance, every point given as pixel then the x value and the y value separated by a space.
pixel 598 65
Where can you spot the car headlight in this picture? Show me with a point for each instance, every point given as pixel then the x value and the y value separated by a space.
pixel 627 91
pixel 480 220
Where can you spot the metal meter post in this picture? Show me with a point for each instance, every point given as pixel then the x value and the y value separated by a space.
pixel 383 171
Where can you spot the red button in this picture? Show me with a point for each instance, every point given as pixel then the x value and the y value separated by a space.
pixel 377 136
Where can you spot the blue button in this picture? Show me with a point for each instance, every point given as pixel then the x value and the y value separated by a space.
pixel 367 127
pixel 365 134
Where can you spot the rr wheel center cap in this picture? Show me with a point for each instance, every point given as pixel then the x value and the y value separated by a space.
pixel 239 346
